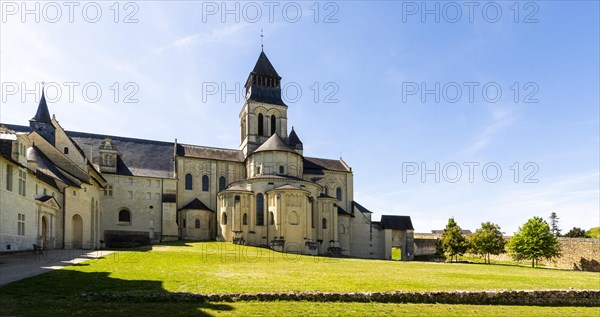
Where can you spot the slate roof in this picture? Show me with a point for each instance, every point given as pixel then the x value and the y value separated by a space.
pixel 396 222
pixel 44 198
pixel 42 114
pixel 47 167
pixel 137 157
pixel 196 204
pixel 326 196
pixel 264 67
pixel 211 153
pixel 361 208
pixel 342 211
pixel 274 143
pixel 315 165
pixel 294 140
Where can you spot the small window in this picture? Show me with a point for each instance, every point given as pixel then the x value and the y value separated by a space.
pixel 124 216
pixel 222 183
pixel 197 224
pixel 281 169
pixel 224 218
pixel 260 210
pixel 205 183
pixel 258 170
pixel 260 124
pixel 245 219
pixel 9 177
pixel 273 124
pixel 189 181
pixel 338 193
pixel 272 220
pixel 66 150
pixel 21 225
pixel 108 191
pixel 324 223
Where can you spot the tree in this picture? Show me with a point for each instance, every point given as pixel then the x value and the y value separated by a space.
pixel 575 233
pixel 452 242
pixel 534 241
pixel 554 224
pixel 487 240
pixel 593 233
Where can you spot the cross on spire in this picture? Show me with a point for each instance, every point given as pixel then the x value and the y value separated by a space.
pixel 262 36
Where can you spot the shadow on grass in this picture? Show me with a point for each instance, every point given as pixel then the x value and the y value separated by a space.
pixel 70 292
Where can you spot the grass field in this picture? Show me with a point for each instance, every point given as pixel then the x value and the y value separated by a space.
pixel 213 267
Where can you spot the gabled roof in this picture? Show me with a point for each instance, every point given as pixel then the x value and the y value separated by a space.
pixel 264 67
pixel 315 165
pixel 361 208
pixel 342 211
pixel 236 188
pixel 274 143
pixel 211 153
pixel 196 204
pixel 137 157
pixel 42 114
pixel 396 222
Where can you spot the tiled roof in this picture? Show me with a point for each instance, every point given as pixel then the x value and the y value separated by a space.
pixel 137 157
pixel 315 165
pixel 396 222
pixel 196 204
pixel 211 153
pixel 274 143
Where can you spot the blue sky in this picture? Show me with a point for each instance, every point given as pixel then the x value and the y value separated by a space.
pixel 364 63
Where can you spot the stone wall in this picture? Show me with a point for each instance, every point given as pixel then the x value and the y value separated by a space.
pixel 425 246
pixel 528 298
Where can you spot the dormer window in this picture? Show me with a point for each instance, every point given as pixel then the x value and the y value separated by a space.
pixel 66 150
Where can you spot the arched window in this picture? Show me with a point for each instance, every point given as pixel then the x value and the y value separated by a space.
pixel 189 181
pixel 124 216
pixel 338 193
pixel 245 219
pixel 224 218
pixel 272 220
pixel 273 124
pixel 324 223
pixel 281 169
pixel 197 223
pixel 293 218
pixel 260 124
pixel 258 170
pixel 325 190
pixel 222 183
pixel 205 183
pixel 66 150
pixel 260 210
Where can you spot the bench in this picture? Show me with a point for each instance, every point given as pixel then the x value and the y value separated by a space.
pixel 38 248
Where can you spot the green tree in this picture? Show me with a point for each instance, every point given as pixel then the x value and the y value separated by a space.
pixel 534 241
pixel 593 233
pixel 575 233
pixel 554 224
pixel 487 240
pixel 452 242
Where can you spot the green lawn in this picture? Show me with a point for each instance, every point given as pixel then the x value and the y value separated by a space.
pixel 226 268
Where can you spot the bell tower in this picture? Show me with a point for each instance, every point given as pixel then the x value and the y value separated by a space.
pixel 264 112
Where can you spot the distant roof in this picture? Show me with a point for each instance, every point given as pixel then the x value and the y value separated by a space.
pixel 274 143
pixel 264 67
pixel 137 157
pixel 315 165
pixel 211 153
pixel 465 232
pixel 42 114
pixel 396 222
pixel 361 208
pixel 196 204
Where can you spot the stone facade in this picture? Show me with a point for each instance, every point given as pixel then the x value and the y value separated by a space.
pixel 83 189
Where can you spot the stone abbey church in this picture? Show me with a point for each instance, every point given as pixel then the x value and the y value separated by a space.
pixel 63 189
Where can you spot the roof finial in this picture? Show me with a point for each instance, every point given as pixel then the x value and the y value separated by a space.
pixel 262 36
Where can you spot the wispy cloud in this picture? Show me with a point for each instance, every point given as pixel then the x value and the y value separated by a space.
pixel 500 119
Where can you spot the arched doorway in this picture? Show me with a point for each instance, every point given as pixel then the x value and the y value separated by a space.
pixel 77 237
pixel 45 236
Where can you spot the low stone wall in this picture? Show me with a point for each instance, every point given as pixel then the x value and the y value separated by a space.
pixel 528 298
pixel 425 246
